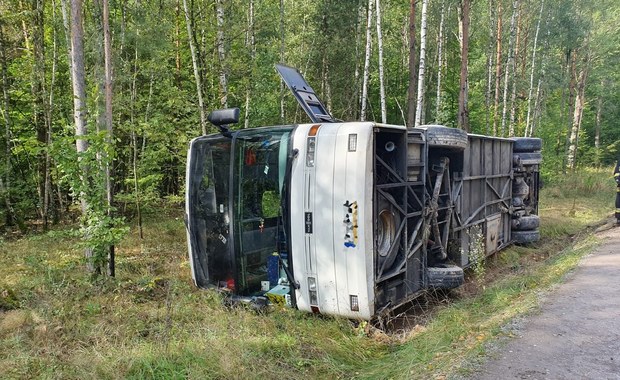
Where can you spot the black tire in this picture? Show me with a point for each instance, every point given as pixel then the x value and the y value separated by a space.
pixel 526 223
pixel 526 144
pixel 531 158
pixel 438 136
pixel 525 237
pixel 445 276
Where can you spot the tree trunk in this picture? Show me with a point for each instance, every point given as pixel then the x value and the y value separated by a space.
pixel 489 70
pixel 47 194
pixel 79 104
pixel 38 96
pixel 177 45
pixel 571 67
pixel 533 64
pixel 513 74
pixel 543 68
pixel 412 88
pixel 577 115
pixel 134 140
pixel 221 53
pixel 422 69
pixel 251 45
pixel 498 66
pixel 282 50
pixel 367 62
pixel 381 76
pixel 440 62
pixel 463 116
pixel 5 186
pixel 597 126
pixel 510 63
pixel 197 77
pixel 358 38
pixel 107 56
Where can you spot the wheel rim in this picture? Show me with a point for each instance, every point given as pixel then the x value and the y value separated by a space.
pixel 386 232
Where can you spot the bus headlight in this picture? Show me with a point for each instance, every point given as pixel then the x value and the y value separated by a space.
pixel 310 150
pixel 312 294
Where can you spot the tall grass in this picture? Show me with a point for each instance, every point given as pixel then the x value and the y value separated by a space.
pixel 151 323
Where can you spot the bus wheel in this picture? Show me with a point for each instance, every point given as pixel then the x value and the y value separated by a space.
pixel 527 144
pixel 525 237
pixel 525 223
pixel 444 137
pixel 445 276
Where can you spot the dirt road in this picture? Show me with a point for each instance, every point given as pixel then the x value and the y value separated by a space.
pixel 576 334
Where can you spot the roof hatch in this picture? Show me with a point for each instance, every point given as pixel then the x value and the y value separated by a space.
pixel 304 94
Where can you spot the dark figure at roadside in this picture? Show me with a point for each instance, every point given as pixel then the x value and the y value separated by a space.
pixel 617 178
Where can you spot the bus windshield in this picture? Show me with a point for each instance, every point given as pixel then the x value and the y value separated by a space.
pixel 260 159
pixel 234 194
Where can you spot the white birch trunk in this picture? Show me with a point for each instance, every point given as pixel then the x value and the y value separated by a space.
pixel 509 64
pixel 79 103
pixel 576 124
pixel 440 62
pixel 192 48
pixel 422 69
pixel 529 97
pixel 381 75
pixel 487 98
pixel 498 66
pixel 221 53
pixel 543 68
pixel 366 62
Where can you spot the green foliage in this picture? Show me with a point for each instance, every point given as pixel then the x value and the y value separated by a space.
pixel 84 173
pixel 477 252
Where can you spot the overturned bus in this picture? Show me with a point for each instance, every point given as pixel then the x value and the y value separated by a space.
pixel 351 218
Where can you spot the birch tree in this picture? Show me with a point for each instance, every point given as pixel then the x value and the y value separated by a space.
pixel 381 70
pixel 412 89
pixel 79 106
pixel 533 66
pixel 498 66
pixel 107 56
pixel 440 61
pixel 543 71
pixel 37 86
pixel 197 78
pixel 489 69
pixel 463 112
pixel 510 64
pixel 513 76
pixel 221 53
pixel 422 68
pixel 366 73
pixel 577 117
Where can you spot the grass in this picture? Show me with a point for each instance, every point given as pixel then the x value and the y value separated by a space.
pixel 150 322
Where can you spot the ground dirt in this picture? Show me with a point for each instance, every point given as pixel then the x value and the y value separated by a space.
pixel 576 333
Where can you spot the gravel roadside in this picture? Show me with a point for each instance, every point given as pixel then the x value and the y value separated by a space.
pixel 576 334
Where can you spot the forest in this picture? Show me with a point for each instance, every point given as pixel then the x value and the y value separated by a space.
pixel 100 98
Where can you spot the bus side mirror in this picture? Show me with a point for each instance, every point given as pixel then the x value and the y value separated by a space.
pixel 224 118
